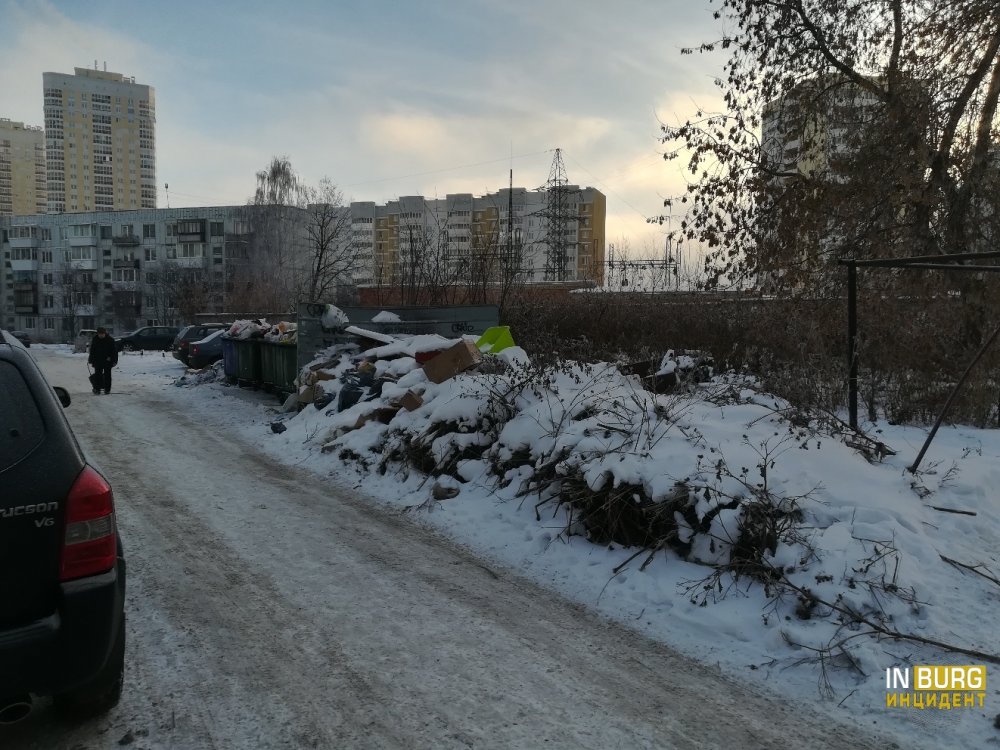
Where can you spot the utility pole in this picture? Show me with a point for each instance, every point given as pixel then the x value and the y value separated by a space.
pixel 558 220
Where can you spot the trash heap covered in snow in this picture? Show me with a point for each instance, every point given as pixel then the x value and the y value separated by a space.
pixel 276 333
pixel 370 376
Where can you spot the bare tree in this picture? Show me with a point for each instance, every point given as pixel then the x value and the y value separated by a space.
pixel 190 290
pixel 854 128
pixel 158 302
pixel 78 289
pixel 272 275
pixel 333 256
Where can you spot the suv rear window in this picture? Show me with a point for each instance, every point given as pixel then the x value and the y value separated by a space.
pixel 21 426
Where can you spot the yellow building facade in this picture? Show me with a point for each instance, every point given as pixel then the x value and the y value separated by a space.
pixel 22 169
pixel 100 138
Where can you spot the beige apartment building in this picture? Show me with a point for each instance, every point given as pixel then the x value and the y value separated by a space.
pixel 100 139
pixel 22 169
pixel 467 238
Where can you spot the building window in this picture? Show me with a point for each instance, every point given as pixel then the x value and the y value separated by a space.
pixel 50 324
pixel 47 279
pixel 216 229
pixel 150 253
pixel 80 253
pixel 124 274
pixel 148 231
pixel 46 256
pixel 84 298
pixel 49 301
pixel 29 323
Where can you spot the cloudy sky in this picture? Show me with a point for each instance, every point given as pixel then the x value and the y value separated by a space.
pixel 389 98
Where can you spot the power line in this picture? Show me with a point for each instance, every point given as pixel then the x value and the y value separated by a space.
pixel 450 169
pixel 608 189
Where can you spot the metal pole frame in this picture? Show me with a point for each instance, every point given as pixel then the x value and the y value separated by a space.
pixel 943 262
pixel 852 349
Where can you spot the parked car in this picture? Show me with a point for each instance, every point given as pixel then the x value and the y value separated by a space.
pixel 82 341
pixel 22 336
pixel 149 338
pixel 62 569
pixel 207 351
pixel 189 334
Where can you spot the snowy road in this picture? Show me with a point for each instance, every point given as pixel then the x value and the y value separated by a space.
pixel 267 609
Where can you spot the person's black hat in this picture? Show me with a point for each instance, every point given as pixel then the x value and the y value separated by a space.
pixel 102 330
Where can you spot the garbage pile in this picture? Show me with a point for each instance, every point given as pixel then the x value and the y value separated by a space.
pixel 383 374
pixel 277 333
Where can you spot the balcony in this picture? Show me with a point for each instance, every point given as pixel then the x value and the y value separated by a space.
pixel 84 310
pixel 126 301
pixel 189 262
pixel 19 242
pixel 126 240
pixel 124 263
pixel 24 265
pixel 25 297
pixel 82 241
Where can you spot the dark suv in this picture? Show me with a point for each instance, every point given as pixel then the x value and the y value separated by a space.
pixel 62 570
pixel 190 334
pixel 149 338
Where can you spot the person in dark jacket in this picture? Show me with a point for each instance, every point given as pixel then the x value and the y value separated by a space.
pixel 103 356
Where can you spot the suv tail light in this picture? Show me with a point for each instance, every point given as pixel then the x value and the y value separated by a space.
pixel 90 546
pixel 194 349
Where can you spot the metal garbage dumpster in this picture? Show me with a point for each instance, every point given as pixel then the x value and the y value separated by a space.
pixel 248 362
pixel 230 366
pixel 279 366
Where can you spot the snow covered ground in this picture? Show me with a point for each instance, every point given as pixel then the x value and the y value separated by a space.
pixel 870 539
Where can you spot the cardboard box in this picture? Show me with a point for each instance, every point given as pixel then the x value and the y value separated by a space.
pixel 383 414
pixel 307 394
pixel 411 401
pixel 451 362
pixel 324 375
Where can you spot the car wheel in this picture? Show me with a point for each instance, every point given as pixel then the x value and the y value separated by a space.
pixel 102 693
pixel 128 346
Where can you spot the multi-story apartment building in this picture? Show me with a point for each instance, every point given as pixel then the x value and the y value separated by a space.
pixel 817 125
pixel 462 238
pixel 100 139
pixel 22 169
pixel 120 269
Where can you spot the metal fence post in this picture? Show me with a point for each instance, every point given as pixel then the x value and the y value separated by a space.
pixel 852 335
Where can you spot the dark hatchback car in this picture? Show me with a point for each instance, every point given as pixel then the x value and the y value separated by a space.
pixel 207 351
pixel 62 569
pixel 22 336
pixel 149 338
pixel 190 334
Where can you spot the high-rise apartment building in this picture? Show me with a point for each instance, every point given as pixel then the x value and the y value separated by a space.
pixel 22 169
pixel 100 138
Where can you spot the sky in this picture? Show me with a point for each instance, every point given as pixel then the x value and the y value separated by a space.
pixel 388 99
pixel 871 535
